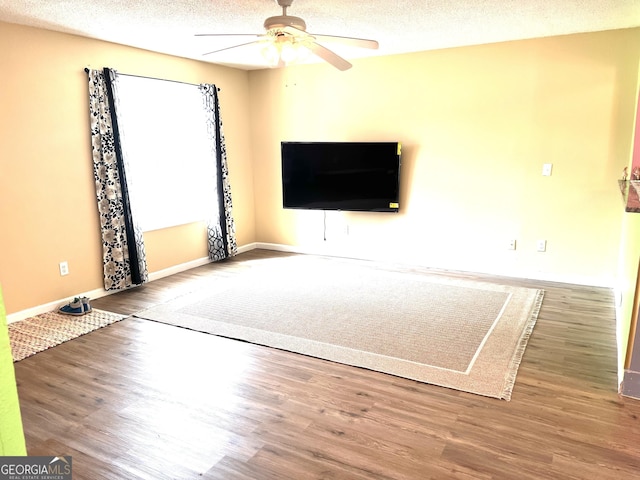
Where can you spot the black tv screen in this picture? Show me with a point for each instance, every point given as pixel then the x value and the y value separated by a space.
pixel 352 176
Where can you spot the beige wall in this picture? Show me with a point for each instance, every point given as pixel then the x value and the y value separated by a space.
pixel 476 123
pixel 47 208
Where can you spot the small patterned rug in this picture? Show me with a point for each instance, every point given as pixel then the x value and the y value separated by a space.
pixel 36 334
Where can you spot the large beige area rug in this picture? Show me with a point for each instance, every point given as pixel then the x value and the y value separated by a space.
pixel 456 333
pixel 36 334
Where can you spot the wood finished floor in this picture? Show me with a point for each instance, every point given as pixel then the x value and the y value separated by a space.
pixel 145 400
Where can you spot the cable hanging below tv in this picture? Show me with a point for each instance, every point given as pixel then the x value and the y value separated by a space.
pixel 349 176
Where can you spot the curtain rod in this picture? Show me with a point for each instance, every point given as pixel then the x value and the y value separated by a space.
pixel 86 70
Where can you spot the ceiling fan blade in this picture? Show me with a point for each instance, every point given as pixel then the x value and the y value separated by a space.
pixel 353 42
pixel 350 41
pixel 328 56
pixel 228 35
pixel 234 46
pixel 291 30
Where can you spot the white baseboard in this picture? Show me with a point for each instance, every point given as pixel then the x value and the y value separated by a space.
pixel 542 276
pixel 101 292
pixel 51 306
pixel 192 264
pixel 247 247
pixel 178 268
pixel 617 292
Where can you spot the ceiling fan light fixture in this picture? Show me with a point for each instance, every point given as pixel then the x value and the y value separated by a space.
pixel 271 54
pixel 283 50
pixel 293 52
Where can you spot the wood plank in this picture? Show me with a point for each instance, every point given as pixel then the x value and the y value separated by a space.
pixel 140 399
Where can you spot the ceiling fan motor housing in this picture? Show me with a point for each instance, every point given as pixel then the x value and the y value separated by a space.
pixel 282 21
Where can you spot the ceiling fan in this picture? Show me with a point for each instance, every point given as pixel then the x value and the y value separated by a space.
pixel 286 38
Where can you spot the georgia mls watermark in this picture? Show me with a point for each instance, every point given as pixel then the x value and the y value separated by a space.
pixel 35 468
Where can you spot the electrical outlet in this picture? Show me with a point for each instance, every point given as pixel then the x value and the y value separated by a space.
pixel 511 245
pixel 542 245
pixel 64 268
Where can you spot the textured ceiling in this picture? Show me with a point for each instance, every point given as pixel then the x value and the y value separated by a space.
pixel 399 26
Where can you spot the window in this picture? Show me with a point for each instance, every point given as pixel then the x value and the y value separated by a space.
pixel 170 165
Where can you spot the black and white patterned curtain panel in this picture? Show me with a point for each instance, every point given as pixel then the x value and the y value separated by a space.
pixel 220 227
pixel 122 242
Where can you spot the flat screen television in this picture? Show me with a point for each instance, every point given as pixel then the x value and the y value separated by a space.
pixel 351 176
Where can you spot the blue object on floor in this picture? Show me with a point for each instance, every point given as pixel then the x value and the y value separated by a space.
pixel 75 307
